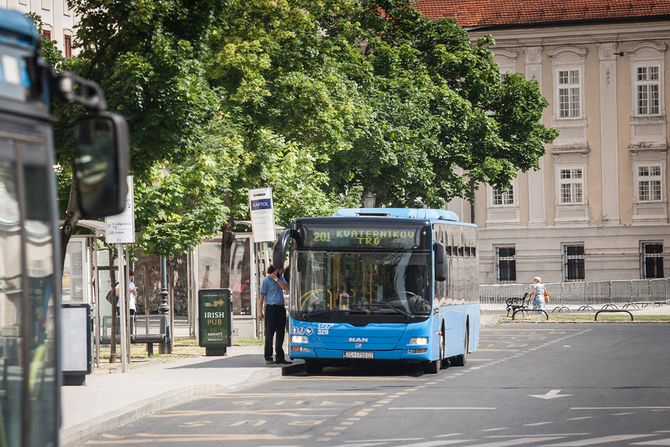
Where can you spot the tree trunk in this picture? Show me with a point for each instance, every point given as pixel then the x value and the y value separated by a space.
pixel 72 216
pixel 227 238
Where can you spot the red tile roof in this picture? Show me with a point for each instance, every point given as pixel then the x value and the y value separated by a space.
pixel 470 13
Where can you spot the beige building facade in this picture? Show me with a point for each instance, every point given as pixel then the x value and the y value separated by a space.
pixel 598 207
pixel 57 17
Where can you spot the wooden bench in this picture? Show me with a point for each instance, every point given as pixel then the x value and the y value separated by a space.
pixel 521 305
pixel 514 303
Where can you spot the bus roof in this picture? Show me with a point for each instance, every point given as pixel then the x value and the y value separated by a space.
pixel 17 28
pixel 432 215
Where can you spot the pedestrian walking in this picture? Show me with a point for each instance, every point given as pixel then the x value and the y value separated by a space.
pixel 272 310
pixel 537 293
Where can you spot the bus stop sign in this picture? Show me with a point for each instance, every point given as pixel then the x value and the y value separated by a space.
pixel 215 320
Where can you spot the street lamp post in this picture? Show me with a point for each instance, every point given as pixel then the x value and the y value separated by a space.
pixel 164 347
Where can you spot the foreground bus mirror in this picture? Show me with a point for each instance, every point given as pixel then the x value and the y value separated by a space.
pixel 281 247
pixel 101 164
pixel 440 262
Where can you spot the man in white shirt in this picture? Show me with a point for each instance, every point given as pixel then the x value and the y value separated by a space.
pixel 132 296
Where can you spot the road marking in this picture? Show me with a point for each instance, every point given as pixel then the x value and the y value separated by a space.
pixel 538 436
pixel 552 394
pixel 656 442
pixel 291 395
pixel 511 442
pixel 295 412
pixel 537 424
pixel 254 423
pixel 620 408
pixel 442 408
pixel 364 444
pixel 600 440
pixel 495 429
pixel 380 441
pixel 580 418
pixel 437 443
pixel 142 438
pixel 624 413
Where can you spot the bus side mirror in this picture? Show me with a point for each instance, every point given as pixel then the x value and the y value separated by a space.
pixel 101 164
pixel 440 261
pixel 281 247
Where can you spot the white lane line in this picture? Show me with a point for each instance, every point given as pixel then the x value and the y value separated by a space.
pixel 665 441
pixel 620 408
pixel 518 441
pixel 560 435
pixel 495 429
pixel 579 419
pixel 537 424
pixel 437 443
pixel 442 408
pixel 626 413
pixel 364 444
pixel 600 440
pixel 383 440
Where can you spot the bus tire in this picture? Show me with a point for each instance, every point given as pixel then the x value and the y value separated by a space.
pixel 444 362
pixel 431 367
pixel 461 360
pixel 313 367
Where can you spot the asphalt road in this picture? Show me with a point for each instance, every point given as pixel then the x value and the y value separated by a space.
pixel 528 384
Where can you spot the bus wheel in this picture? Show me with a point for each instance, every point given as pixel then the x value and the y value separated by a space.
pixel 444 362
pixel 431 367
pixel 313 367
pixel 461 360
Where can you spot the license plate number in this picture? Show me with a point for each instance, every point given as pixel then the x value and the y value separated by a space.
pixel 358 355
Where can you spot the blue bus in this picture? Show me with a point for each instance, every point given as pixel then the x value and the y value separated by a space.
pixel 382 284
pixel 30 266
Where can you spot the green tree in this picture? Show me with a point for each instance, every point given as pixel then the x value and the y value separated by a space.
pixel 444 121
pixel 147 57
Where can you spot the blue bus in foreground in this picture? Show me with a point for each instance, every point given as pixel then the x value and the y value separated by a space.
pixel 382 284
pixel 30 266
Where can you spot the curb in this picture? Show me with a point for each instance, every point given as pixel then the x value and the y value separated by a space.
pixel 77 435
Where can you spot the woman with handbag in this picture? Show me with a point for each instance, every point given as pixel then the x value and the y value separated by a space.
pixel 538 293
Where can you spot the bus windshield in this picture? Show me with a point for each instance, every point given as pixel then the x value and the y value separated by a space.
pixel 382 286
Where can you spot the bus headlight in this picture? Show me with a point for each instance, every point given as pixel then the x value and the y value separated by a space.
pixel 418 341
pixel 298 339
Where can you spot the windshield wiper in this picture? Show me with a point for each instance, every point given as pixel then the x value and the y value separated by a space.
pixel 389 306
pixel 318 312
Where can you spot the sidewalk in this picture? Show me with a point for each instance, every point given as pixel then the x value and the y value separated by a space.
pixel 111 400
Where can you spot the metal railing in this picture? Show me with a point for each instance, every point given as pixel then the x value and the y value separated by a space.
pixel 590 295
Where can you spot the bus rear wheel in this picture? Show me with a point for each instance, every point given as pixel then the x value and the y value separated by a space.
pixel 313 367
pixel 461 360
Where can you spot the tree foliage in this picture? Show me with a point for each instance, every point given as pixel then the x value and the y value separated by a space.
pixel 323 100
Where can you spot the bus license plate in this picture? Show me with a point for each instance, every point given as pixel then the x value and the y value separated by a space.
pixel 358 355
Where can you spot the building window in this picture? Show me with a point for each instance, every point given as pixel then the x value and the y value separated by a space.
pixel 652 259
pixel 500 197
pixel 506 264
pixel 649 183
pixel 571 185
pixel 573 262
pixel 569 93
pixel 67 45
pixel 648 90
pixel 46 34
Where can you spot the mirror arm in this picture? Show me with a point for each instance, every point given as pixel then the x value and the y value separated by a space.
pixel 89 94
pixel 279 250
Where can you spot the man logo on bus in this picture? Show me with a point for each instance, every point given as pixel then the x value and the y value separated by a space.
pixel 358 340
